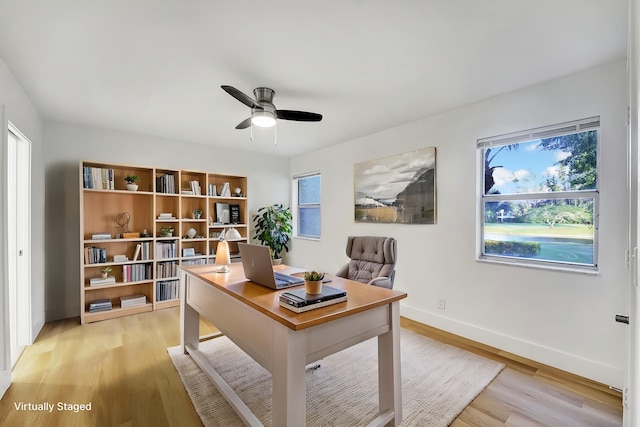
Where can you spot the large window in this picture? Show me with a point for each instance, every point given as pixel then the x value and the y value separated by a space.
pixel 307 194
pixel 539 202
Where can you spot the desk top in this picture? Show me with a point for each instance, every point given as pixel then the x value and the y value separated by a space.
pixel 360 297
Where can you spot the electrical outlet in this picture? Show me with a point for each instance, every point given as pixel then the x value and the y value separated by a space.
pixel 441 303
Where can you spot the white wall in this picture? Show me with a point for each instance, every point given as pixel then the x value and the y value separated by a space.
pixel 67 145
pixel 561 319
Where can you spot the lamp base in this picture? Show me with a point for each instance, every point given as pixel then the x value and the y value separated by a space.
pixel 222 269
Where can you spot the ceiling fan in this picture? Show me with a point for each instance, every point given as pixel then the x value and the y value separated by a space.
pixel 263 112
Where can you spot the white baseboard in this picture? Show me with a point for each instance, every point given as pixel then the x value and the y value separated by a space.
pixel 575 364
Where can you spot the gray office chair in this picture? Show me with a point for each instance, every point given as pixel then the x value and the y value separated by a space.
pixel 373 260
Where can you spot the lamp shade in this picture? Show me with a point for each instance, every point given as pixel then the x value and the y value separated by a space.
pixel 232 234
pixel 263 119
pixel 222 257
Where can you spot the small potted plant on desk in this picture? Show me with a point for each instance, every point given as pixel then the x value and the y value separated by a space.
pixel 313 282
pixel 274 225
pixel 131 182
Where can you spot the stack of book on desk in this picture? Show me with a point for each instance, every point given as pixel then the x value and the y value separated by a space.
pixel 132 301
pixel 99 305
pixel 299 300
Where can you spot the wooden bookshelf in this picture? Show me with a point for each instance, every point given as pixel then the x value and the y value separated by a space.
pixel 180 200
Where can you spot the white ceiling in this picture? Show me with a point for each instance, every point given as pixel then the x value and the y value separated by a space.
pixel 155 66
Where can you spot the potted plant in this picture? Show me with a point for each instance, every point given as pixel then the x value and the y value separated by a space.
pixel 105 272
pixel 274 226
pixel 313 282
pixel 197 213
pixel 166 231
pixel 131 182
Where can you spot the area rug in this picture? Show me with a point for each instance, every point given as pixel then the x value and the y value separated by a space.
pixel 438 382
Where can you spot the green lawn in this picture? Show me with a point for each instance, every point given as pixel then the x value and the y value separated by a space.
pixel 560 230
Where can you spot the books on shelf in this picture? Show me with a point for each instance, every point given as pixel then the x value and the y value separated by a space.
pixel 167 289
pixel 166 269
pixel 100 305
pixel 299 300
pixel 98 178
pixel 166 216
pixel 101 236
pixel 120 258
pixel 136 272
pixel 213 190
pixel 94 255
pixel 101 280
pixel 166 184
pixel 129 301
pixel 195 188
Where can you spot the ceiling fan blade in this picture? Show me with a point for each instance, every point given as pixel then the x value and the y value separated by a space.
pixel 244 124
pixel 299 116
pixel 245 99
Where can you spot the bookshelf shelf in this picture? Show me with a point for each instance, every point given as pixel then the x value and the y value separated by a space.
pixel 165 198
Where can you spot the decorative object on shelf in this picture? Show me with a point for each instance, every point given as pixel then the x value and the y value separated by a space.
pixel 313 282
pixel 122 220
pixel 145 233
pixel 105 272
pixel 191 233
pixel 226 191
pixel 223 215
pixel 234 211
pixel 166 231
pixel 197 214
pixel 131 182
pixel 385 198
pixel 274 226
pixel 232 234
pixel 237 192
pixel 223 259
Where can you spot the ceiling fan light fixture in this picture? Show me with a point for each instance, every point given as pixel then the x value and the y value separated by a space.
pixel 263 119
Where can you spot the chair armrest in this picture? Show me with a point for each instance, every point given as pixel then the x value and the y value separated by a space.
pixel 343 272
pixel 384 282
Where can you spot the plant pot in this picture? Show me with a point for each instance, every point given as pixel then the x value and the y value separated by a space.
pixel 132 187
pixel 105 275
pixel 313 287
pixel 276 261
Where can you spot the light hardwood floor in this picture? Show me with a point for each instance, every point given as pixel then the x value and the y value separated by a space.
pixel 122 369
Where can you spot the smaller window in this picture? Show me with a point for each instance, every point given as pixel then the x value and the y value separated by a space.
pixel 307 188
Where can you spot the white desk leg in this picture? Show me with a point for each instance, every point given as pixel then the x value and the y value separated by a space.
pixel 289 398
pixel 189 318
pixel 389 375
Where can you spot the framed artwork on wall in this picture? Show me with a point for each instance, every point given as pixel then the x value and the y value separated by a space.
pixel 397 189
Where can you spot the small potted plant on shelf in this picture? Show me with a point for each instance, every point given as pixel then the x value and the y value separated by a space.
pixel 313 282
pixel 166 231
pixel 105 272
pixel 273 226
pixel 197 214
pixel 131 182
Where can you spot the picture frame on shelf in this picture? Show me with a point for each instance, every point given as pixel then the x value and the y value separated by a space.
pixel 187 252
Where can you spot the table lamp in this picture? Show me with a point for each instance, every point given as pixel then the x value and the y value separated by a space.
pixel 222 257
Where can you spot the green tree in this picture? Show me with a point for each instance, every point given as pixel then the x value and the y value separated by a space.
pixel 581 160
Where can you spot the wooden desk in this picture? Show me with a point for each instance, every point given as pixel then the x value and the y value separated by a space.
pixel 284 342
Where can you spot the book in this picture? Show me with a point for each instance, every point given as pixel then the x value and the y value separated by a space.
pixel 101 280
pixel 101 236
pixel 100 305
pixel 132 300
pixel 136 254
pixel 299 300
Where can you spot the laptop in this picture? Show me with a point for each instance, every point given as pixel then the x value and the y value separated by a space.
pixel 256 261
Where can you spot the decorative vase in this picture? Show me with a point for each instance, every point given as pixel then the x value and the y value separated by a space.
pixel 313 287
pixel 132 187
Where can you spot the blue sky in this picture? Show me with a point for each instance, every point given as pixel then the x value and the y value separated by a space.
pixel 529 165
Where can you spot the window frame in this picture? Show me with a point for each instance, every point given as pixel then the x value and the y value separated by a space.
pixel 296 202
pixel 578 126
